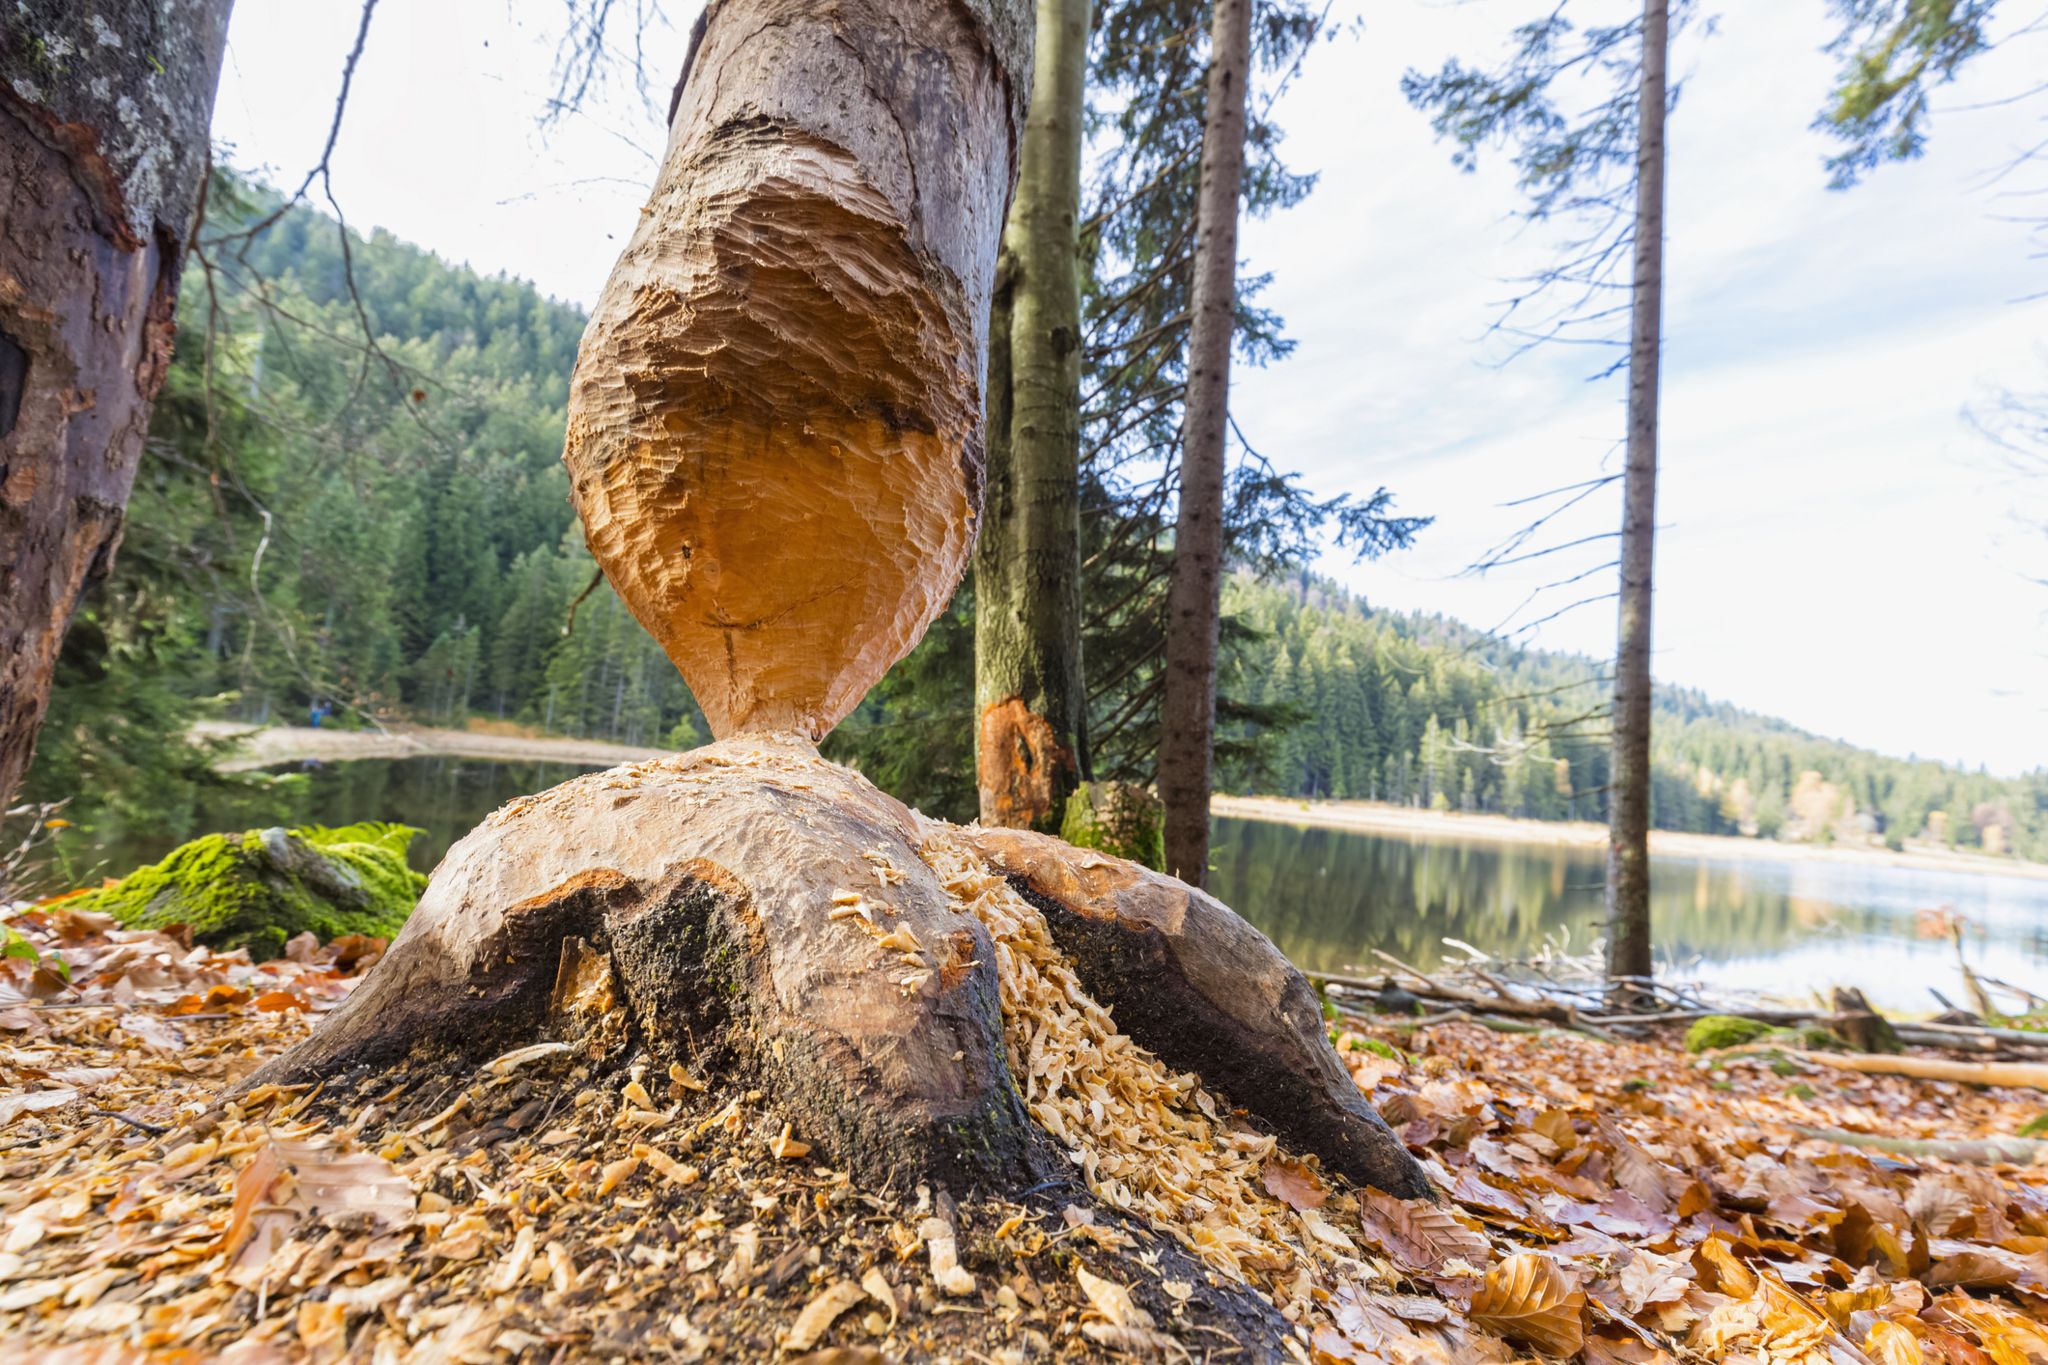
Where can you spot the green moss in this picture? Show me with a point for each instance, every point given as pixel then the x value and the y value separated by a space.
pixel 1800 1091
pixel 1118 818
pixel 262 887
pixel 1380 1049
pixel 2036 1126
pixel 1722 1030
pixel 1809 1038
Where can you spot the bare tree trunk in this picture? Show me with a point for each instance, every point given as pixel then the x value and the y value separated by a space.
pixel 1628 854
pixel 1031 736
pixel 1188 712
pixel 104 110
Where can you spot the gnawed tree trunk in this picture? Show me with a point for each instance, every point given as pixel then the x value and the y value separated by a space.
pixel 774 433
pixel 1031 728
pixel 104 109
pixel 774 444
pixel 1187 714
pixel 1628 843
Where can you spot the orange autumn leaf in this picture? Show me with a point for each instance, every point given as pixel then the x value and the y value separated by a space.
pixel 271 1001
pixel 1294 1184
pixel 1528 1299
pixel 1891 1343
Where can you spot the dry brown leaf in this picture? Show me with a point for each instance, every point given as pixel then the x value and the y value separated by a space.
pixel 1294 1183
pixel 13 1107
pixel 1529 1299
pixel 1418 1235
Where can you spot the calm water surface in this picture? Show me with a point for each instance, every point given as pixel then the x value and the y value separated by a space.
pixel 1329 897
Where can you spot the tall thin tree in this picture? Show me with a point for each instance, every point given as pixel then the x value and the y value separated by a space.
pixel 1628 839
pixel 1194 593
pixel 1603 169
pixel 1031 743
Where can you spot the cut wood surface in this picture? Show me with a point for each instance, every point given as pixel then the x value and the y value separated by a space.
pixel 774 434
pixel 2033 1075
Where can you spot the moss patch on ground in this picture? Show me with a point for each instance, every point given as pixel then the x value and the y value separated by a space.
pixel 1717 1031
pixel 263 887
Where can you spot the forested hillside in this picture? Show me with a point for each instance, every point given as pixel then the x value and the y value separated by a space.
pixel 1423 710
pixel 385 531
pixel 370 529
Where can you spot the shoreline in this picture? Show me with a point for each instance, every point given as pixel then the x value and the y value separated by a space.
pixel 1370 817
pixel 258 746
pixel 264 746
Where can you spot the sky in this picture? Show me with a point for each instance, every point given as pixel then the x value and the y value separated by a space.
pixel 1839 542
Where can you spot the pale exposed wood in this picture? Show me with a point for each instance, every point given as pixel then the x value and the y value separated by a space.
pixel 2028 1075
pixel 774 433
pixel 1993 1151
pixel 1190 980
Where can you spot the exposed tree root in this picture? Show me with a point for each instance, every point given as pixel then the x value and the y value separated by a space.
pixel 923 1004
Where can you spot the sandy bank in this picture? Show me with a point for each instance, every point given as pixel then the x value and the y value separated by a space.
pixel 266 746
pixel 1406 821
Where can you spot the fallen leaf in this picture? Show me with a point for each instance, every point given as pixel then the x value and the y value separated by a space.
pixel 1419 1235
pixel 1892 1343
pixel 1529 1299
pixel 1294 1183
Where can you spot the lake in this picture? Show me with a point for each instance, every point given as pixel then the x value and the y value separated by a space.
pixel 1329 897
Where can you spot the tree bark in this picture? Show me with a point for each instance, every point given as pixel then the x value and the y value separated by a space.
pixel 774 433
pixel 1031 747
pixel 1628 850
pixel 104 110
pixel 1194 593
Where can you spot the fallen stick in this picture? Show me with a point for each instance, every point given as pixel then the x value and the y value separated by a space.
pixel 1534 1009
pixel 1973 1151
pixel 2029 1075
pixel 2024 1037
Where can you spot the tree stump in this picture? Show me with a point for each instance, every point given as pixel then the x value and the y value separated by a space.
pixel 750 909
pixel 774 445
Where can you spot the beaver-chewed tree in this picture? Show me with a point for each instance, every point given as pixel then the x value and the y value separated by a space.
pixel 774 442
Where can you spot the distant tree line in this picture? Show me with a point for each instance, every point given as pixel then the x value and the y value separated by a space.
pixel 1420 710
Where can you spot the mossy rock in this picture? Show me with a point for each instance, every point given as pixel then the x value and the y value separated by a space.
pixel 1121 819
pixel 260 888
pixel 1717 1031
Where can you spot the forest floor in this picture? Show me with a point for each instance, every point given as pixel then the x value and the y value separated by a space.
pixel 1605 1202
pixel 267 746
pixel 1379 818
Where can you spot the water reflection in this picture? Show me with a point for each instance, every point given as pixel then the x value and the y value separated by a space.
pixel 446 797
pixel 1329 897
